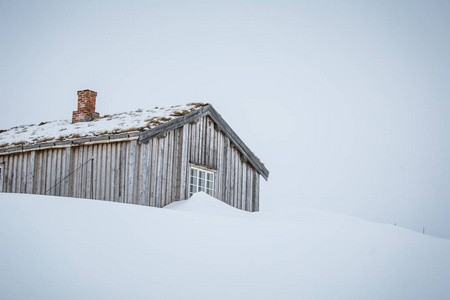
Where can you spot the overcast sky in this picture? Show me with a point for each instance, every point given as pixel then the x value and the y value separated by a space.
pixel 346 102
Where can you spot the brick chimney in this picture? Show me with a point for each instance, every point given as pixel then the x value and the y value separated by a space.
pixel 86 106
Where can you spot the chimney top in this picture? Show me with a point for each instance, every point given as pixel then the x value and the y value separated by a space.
pixel 86 106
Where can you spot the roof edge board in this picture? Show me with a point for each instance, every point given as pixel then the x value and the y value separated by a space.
pixel 223 125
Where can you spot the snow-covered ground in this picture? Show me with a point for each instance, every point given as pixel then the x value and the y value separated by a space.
pixel 65 248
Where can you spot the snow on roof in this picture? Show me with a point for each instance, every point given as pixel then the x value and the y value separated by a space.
pixel 133 121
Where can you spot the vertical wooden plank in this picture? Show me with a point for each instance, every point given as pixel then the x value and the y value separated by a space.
pixel 37 165
pixel 238 178
pixel 125 168
pixel 202 142
pixel 256 194
pixel 95 171
pixel 233 177
pixel 18 168
pixel 163 173
pixel 10 174
pixel 206 142
pixel 232 172
pixel 227 171
pixel 61 165
pixel 144 165
pixel 101 171
pixel 160 172
pixel 117 193
pixel 62 189
pixel 131 171
pixel 219 173
pixel 169 165
pixel 176 176
pixel 67 171
pixel 136 172
pixel 42 171
pixel 122 169
pixel 108 172
pixel 148 184
pixel 184 161
pixel 48 171
pixel 115 162
pixel 249 196
pixel 198 142
pixel 54 184
pixel 57 184
pixel 23 172
pixel 52 173
pixel 112 158
pixel 175 195
pixel 194 143
pixel 191 138
pixel 154 174
pixel 102 150
pixel 217 147
pixel 37 168
pixel 79 172
pixel 72 168
pixel 83 171
pixel 75 179
pixel 18 171
pixel 14 173
pixel 243 184
pixel 7 174
pixel 89 167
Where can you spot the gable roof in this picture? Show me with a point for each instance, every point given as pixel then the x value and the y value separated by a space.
pixel 141 124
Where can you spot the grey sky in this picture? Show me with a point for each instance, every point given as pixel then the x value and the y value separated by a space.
pixel 345 102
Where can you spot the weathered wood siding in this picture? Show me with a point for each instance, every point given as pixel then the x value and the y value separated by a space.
pixel 154 173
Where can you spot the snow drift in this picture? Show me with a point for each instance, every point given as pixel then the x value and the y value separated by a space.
pixel 65 248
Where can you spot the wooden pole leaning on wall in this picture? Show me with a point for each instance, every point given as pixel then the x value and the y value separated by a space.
pixel 90 159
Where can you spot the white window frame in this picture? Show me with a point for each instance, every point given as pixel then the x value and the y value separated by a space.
pixel 1 177
pixel 201 180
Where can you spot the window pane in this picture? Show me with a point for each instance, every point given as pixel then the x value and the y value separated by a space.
pixel 201 181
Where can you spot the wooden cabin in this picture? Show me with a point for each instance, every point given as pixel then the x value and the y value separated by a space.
pixel 147 157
